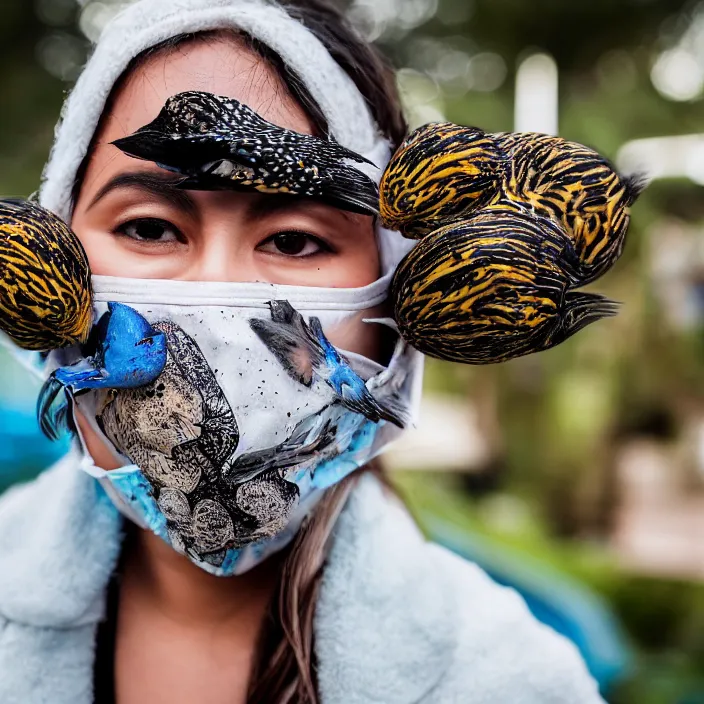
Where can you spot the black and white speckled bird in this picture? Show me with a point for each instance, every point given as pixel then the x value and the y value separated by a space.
pixel 216 143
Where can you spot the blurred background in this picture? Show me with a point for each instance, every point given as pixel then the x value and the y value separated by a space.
pixel 577 475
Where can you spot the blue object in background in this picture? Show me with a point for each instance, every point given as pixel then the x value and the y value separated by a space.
pixel 24 451
pixel 568 607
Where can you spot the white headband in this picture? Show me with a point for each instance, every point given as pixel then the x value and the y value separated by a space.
pixel 146 23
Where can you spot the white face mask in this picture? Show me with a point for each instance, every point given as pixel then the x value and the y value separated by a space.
pixel 254 415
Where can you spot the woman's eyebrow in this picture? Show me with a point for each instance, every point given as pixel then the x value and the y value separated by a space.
pixel 270 204
pixel 161 186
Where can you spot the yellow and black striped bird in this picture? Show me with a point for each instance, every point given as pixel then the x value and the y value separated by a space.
pixel 511 224
pixel 45 289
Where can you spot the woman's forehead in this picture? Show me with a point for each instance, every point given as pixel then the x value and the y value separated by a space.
pixel 223 65
pixel 219 64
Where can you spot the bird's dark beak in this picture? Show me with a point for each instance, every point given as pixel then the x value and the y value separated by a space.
pixel 145 143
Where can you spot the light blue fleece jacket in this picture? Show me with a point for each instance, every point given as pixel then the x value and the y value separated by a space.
pixel 398 620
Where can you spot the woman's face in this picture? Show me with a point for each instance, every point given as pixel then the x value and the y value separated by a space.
pixel 133 222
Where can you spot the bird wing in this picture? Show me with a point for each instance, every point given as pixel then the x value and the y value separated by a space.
pixel 308 439
pixel 349 189
pixel 361 401
pixel 288 337
pixel 53 406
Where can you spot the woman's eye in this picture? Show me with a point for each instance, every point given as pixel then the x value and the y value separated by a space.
pixel 294 244
pixel 150 230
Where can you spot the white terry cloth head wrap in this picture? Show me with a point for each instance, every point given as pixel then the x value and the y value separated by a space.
pixel 146 23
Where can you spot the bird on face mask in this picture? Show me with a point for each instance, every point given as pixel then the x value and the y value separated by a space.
pixel 306 354
pixel 317 440
pixel 127 353
pixel 216 142
pixel 45 289
pixel 510 224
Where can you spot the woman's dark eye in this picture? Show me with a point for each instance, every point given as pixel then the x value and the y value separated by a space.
pixel 294 244
pixel 150 230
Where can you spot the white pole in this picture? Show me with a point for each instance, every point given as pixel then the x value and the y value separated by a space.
pixel 537 92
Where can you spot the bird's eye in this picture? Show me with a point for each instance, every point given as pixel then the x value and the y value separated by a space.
pixel 294 244
pixel 150 230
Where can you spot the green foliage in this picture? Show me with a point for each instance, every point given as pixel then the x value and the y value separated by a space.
pixel 664 618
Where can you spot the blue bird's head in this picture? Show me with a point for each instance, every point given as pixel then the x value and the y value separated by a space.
pixel 133 352
pixel 126 352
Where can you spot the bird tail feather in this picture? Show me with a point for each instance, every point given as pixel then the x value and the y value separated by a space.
pixel 53 408
pixel 582 309
pixel 351 189
pixel 386 387
pixel 392 408
pixel 292 452
pixel 635 185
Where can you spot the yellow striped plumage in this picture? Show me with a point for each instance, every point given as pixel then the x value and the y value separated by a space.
pixel 577 188
pixel 45 291
pixel 441 172
pixel 510 224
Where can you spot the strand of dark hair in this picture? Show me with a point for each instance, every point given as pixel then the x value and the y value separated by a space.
pixel 370 70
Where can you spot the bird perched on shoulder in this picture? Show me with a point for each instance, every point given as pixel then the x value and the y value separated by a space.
pixel 127 353
pixel 45 289
pixel 216 142
pixel 510 224
pixel 306 354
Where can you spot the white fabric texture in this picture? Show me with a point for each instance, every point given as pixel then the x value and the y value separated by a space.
pixel 233 403
pixel 148 22
pixel 398 621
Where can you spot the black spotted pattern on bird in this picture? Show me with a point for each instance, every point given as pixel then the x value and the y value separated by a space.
pixel 45 285
pixel 510 225
pixel 216 142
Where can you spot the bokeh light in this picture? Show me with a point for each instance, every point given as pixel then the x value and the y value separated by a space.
pixel 96 14
pixel 678 75
pixel 61 54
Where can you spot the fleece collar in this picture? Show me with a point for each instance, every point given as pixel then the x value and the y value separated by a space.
pixel 59 543
pixel 398 620
pixel 60 540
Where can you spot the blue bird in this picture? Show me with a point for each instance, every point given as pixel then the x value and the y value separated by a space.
pixel 316 443
pixel 127 352
pixel 305 353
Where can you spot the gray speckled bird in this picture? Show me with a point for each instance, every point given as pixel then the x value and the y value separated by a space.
pixel 216 142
